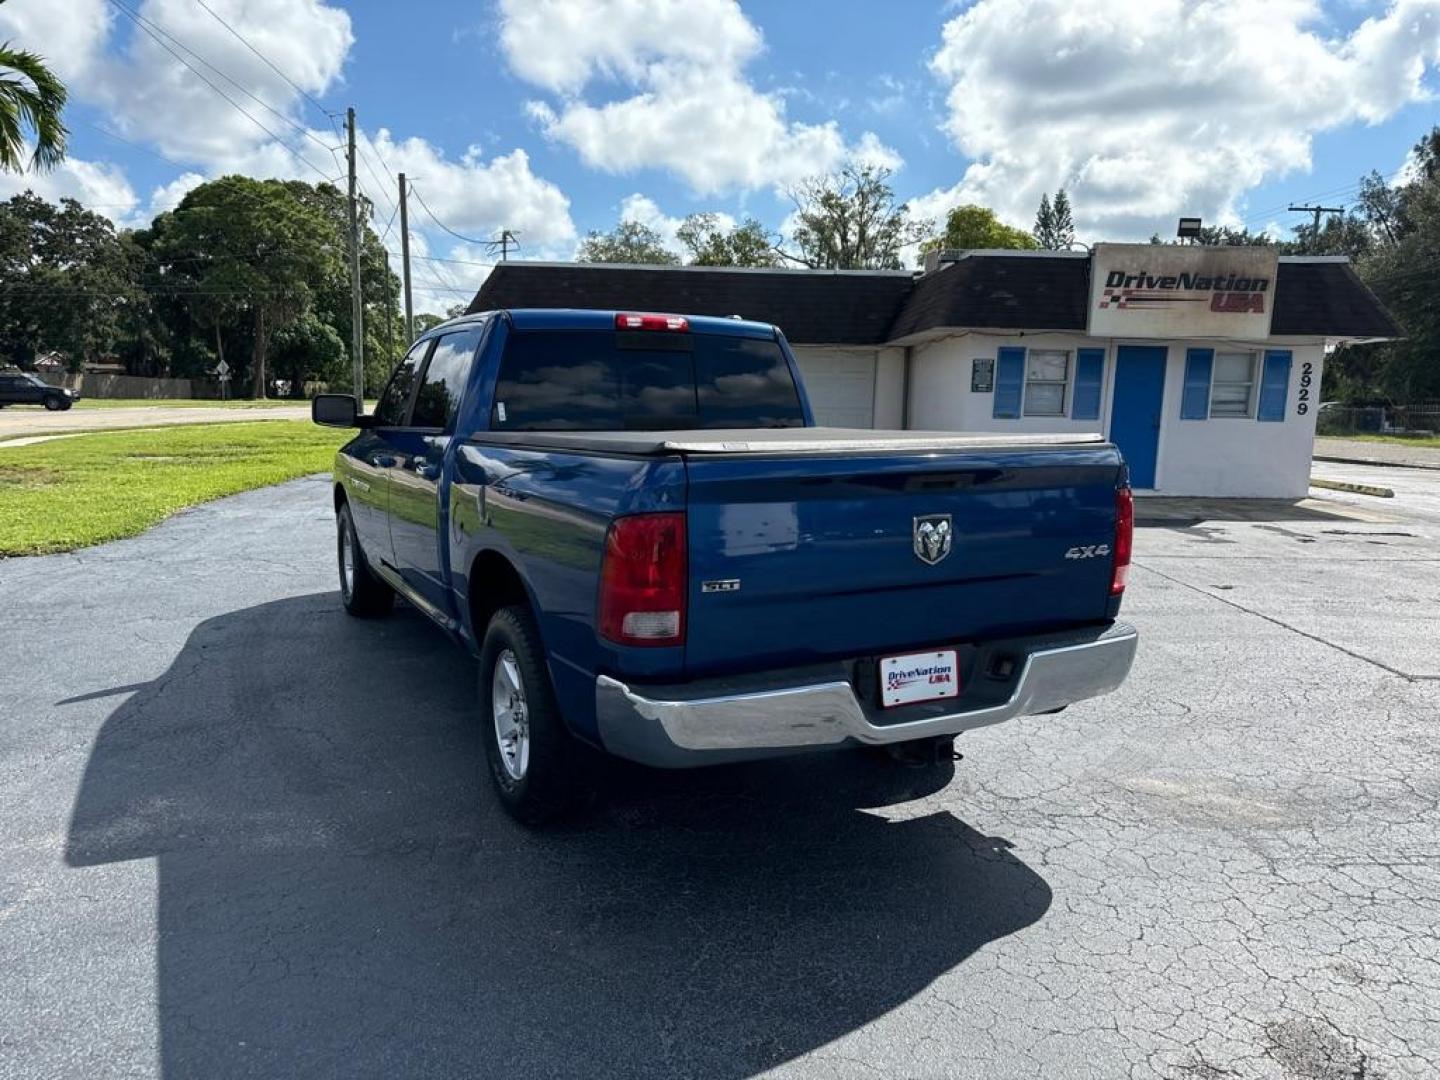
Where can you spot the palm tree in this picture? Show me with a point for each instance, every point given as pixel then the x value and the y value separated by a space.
pixel 30 97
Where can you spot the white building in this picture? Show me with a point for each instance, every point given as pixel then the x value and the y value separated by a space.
pixel 1203 364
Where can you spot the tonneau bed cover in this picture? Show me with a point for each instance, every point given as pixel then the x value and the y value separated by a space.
pixel 814 440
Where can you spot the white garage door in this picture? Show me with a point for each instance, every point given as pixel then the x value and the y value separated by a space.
pixel 841 387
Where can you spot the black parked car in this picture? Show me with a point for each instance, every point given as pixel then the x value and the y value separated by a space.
pixel 22 388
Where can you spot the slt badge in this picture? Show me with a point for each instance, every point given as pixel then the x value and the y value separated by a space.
pixel 932 538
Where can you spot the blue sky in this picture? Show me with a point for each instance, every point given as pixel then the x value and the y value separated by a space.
pixel 554 117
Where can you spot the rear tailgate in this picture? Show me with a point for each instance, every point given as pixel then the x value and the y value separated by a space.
pixel 798 557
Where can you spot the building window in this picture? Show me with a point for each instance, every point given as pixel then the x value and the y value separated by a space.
pixel 1232 389
pixel 1047 372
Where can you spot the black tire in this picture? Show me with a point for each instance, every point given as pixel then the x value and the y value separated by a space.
pixel 56 403
pixel 363 594
pixel 553 777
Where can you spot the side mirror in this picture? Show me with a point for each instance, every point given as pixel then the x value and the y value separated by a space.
pixel 337 410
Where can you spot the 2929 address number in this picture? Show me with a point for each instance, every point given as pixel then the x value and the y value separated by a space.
pixel 1307 377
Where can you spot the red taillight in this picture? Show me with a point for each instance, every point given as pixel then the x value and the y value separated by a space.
pixel 1124 538
pixel 642 580
pixel 674 323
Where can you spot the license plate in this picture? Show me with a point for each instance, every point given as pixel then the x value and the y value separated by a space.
pixel 926 676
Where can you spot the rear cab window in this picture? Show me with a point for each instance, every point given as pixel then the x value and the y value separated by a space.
pixel 644 380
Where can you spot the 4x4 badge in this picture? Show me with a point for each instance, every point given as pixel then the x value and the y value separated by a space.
pixel 932 538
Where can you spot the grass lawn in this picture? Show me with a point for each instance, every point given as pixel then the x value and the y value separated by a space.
pixel 70 493
pixel 1430 441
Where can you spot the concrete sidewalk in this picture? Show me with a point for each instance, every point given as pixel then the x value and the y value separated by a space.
pixel 1363 452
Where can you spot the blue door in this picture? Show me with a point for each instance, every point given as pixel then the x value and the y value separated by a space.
pixel 1135 417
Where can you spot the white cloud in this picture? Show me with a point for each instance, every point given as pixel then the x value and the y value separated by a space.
pixel 156 98
pixel 561 45
pixel 691 110
pixel 168 196
pixel 96 185
pixel 479 197
pixel 1146 111
pixel 68 35
pixel 151 97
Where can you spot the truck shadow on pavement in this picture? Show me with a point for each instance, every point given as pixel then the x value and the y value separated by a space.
pixel 339 894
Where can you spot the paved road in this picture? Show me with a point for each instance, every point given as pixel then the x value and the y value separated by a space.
pixel 26 421
pixel 244 836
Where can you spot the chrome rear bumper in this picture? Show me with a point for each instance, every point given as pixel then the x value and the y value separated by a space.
pixel 734 720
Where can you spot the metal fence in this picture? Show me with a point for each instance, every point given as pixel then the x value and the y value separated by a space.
pixel 1338 419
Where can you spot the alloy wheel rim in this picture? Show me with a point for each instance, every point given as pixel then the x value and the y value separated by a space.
pixel 512 717
pixel 347 560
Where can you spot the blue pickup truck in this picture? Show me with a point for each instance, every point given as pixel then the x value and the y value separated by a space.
pixel 634 524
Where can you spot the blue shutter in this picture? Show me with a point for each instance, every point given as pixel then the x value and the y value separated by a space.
pixel 1195 401
pixel 1089 371
pixel 1009 383
pixel 1274 386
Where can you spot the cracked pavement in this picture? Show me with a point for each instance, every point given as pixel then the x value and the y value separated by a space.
pixel 243 835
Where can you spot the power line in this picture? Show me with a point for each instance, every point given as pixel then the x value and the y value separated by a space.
pixel 269 63
pixel 143 24
pixel 457 262
pixel 138 146
pixel 235 83
pixel 440 224
pixel 389 225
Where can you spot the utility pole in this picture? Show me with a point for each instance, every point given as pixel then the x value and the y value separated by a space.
pixel 506 239
pixel 390 317
pixel 1317 211
pixel 405 263
pixel 357 307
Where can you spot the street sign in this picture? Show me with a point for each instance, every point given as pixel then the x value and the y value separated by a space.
pixel 222 369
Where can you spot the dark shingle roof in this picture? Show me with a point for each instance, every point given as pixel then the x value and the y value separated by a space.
pixel 1029 292
pixel 1328 298
pixel 821 307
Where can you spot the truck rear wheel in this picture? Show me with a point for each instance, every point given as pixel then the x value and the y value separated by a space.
pixel 535 763
pixel 362 593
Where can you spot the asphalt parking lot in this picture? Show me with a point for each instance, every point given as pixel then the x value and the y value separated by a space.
pixel 242 835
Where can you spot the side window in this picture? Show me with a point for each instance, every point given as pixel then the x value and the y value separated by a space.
pixel 390 412
pixel 1047 373
pixel 1232 393
pixel 444 381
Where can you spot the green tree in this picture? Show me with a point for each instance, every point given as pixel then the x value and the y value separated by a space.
pixel 849 220
pixel 973 228
pixel 252 250
pixel 1044 230
pixel 628 242
pixel 1221 236
pixel 1339 234
pixel 383 318
pixel 308 350
pixel 1405 274
pixel 1064 222
pixel 31 99
pixel 710 244
pixel 72 284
